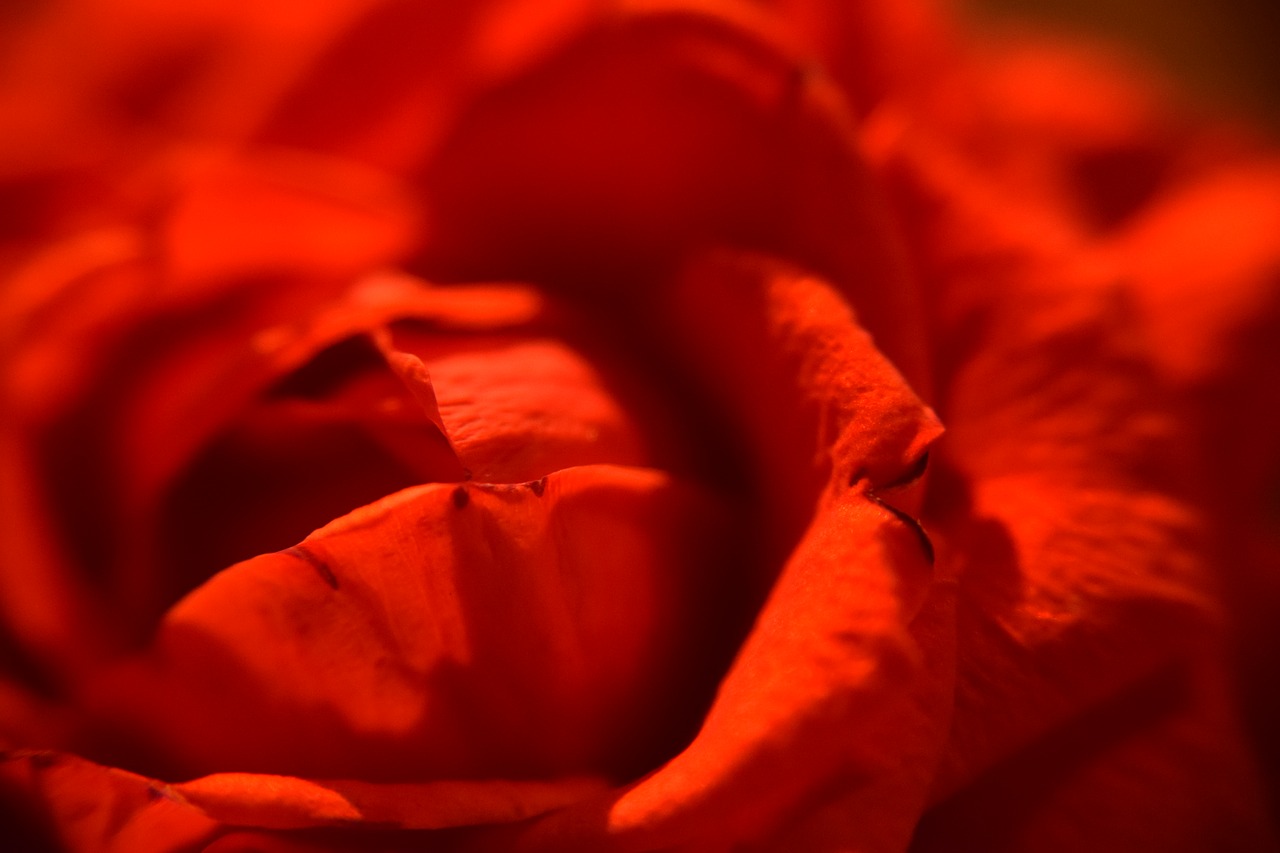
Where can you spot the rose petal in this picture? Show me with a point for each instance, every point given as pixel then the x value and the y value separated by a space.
pixel 283 802
pixel 1084 565
pixel 285 213
pixel 811 399
pixel 363 419
pixel 402 69
pixel 113 385
pixel 832 690
pixel 875 50
pixel 1206 267
pixel 446 631
pixel 106 104
pixel 1206 271
pixel 824 691
pixel 91 808
pixel 88 807
pixel 519 408
pixel 675 127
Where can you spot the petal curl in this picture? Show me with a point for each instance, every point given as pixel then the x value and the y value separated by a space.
pixel 1085 561
pixel 841 687
pixel 810 397
pixel 447 631
pixel 675 127
pixel 94 809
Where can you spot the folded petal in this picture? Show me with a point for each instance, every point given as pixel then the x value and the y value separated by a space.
pixel 402 70
pixel 284 802
pixel 1206 274
pixel 1084 569
pixel 447 631
pixel 70 804
pixel 52 800
pixel 674 127
pixel 841 687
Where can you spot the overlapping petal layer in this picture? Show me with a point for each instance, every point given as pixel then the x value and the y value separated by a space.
pixel 444 634
pixel 1087 619
pixel 831 688
pixel 1093 347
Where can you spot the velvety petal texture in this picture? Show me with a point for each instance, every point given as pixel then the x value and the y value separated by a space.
pixel 448 631
pixel 518 426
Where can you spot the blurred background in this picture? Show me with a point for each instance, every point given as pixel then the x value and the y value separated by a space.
pixel 1224 52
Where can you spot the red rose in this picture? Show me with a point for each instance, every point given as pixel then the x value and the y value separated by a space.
pixel 600 347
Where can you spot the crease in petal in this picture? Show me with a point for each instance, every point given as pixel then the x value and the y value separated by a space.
pixel 562 615
pixel 813 398
pixel 828 688
pixel 842 682
pixel 95 808
pixel 518 407
pixel 1084 561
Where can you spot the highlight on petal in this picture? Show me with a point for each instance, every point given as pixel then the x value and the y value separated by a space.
pixel 1082 558
pixel 1159 766
pixel 52 800
pixel 75 805
pixel 842 683
pixel 195 451
pixel 876 51
pixel 1205 266
pixel 445 632
pixel 829 690
pixel 811 399
pixel 402 70
pixel 518 406
pixel 283 802
pixel 274 213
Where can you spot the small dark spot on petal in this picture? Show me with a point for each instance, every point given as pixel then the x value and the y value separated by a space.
pixel 43 760
pixel 538 486
pixel 926 544
pixel 321 567
pixel 461 497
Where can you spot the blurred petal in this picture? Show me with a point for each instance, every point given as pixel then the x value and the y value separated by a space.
pixel 106 104
pixel 1084 565
pixel 282 802
pixel 1206 268
pixel 285 213
pixel 1160 766
pixel 518 407
pixel 875 50
pixel 671 129
pixel 76 805
pixel 1206 275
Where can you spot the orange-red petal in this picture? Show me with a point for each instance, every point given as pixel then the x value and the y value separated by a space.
pixel 447 631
